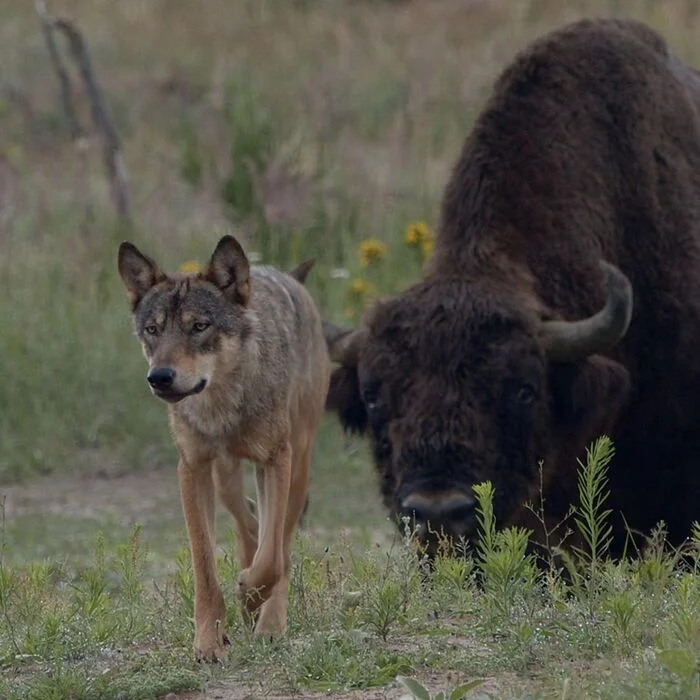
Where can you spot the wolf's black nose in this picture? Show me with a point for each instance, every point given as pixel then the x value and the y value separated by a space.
pixel 161 377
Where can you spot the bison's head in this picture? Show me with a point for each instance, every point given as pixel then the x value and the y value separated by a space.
pixel 459 382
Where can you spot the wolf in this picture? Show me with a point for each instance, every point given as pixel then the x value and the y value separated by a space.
pixel 238 354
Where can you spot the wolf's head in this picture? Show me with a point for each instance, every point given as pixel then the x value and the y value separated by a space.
pixel 191 327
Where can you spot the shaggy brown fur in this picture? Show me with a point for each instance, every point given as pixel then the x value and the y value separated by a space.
pixel 238 353
pixel 587 150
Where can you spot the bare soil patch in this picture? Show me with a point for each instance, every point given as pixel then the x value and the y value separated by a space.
pixel 128 498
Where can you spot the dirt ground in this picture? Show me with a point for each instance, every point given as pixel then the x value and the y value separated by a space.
pixel 143 497
pixel 223 690
pixel 128 497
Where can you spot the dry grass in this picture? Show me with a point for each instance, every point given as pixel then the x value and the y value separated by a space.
pixel 383 91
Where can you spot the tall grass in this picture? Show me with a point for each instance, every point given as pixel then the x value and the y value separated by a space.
pixel 340 126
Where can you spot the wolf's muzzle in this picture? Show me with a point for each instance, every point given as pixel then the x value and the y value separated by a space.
pixel 162 381
pixel 161 378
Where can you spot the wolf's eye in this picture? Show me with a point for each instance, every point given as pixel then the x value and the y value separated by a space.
pixel 152 329
pixel 200 326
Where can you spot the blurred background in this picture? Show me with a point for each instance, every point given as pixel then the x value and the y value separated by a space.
pixel 319 128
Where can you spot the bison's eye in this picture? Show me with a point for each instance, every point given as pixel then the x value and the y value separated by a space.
pixel 152 329
pixel 383 447
pixel 371 404
pixel 370 396
pixel 200 326
pixel 525 394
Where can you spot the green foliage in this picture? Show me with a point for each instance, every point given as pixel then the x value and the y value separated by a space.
pixel 251 132
pixel 67 620
pixel 420 692
pixel 76 387
pixel 359 616
pixel 584 564
pixel 591 517
pixel 508 572
pixel 343 660
pixel 191 158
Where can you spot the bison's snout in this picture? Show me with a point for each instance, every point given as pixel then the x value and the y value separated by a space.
pixel 450 513
pixel 161 378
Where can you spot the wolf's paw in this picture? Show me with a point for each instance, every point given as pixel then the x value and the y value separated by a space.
pixel 213 652
pixel 272 621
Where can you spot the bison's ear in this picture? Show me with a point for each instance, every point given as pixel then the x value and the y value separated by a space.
pixel 587 396
pixel 344 398
pixel 301 271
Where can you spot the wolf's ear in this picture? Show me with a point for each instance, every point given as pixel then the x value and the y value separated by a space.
pixel 229 270
pixel 138 271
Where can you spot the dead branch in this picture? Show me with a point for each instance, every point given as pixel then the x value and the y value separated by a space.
pixel 112 154
pixel 114 161
pixel 78 132
pixel 76 128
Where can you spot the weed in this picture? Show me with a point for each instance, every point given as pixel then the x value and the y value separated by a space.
pixel 591 519
pixel 508 573
pixel 420 692
pixel 252 139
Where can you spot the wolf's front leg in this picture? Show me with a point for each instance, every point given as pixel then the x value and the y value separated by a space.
pixel 198 505
pixel 267 574
pixel 228 480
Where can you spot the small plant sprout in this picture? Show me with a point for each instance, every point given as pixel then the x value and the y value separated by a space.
pixel 419 692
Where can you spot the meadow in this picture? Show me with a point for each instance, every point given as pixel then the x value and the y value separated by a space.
pixel 321 128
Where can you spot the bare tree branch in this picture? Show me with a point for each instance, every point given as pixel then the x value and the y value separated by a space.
pixel 78 132
pixel 76 127
pixel 114 162
pixel 112 154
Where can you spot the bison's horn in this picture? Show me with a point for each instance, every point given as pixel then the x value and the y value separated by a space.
pixel 574 340
pixel 344 344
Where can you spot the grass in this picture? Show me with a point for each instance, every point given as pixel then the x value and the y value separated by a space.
pixel 308 128
pixel 361 616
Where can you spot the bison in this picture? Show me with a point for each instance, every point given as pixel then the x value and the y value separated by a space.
pixel 562 301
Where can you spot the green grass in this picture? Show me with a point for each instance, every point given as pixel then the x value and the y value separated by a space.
pixel 305 128
pixel 110 627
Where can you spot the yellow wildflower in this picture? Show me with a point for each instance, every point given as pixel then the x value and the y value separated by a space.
pixel 427 248
pixel 360 288
pixel 371 251
pixel 418 235
pixel 190 266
